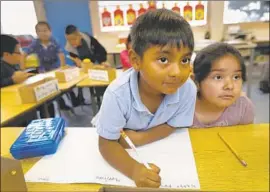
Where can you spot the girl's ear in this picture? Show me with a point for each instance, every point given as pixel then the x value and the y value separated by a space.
pixel 134 59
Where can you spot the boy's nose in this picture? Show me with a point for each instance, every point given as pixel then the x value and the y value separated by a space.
pixel 175 70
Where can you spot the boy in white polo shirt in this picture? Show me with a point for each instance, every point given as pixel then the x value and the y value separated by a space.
pixel 153 98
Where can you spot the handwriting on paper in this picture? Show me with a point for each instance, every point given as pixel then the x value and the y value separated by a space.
pixel 108 178
pixel 181 186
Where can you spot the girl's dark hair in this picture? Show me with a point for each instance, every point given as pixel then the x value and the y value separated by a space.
pixel 43 23
pixel 160 27
pixel 207 56
pixel 128 41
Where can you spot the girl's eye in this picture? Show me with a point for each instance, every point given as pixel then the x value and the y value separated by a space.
pixel 163 60
pixel 185 61
pixel 236 77
pixel 218 77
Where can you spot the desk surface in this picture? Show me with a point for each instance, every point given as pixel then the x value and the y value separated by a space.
pixel 87 82
pixel 217 167
pixel 12 107
pixel 62 86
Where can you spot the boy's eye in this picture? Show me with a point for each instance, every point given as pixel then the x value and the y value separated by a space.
pixel 163 60
pixel 217 77
pixel 236 77
pixel 185 61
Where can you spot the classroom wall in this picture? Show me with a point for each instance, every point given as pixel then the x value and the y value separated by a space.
pixel 110 39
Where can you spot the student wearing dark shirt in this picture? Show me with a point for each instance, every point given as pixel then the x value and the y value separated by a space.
pixel 83 46
pixel 10 58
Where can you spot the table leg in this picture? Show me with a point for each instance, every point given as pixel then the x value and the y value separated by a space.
pixel 93 101
pixel 45 111
pixel 114 59
pixel 249 73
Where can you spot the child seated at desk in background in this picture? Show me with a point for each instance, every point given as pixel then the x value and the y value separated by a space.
pixel 151 99
pixel 49 54
pixel 219 72
pixel 124 55
pixel 47 49
pixel 11 56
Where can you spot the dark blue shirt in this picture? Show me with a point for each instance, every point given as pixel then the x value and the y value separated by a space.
pixel 48 56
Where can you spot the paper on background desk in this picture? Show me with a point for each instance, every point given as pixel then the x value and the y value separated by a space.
pixel 78 161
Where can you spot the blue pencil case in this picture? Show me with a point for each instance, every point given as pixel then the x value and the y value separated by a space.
pixel 41 137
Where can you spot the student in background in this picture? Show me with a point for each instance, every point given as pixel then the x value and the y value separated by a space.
pixel 10 57
pixel 219 72
pixel 124 55
pixel 83 46
pixel 153 98
pixel 47 49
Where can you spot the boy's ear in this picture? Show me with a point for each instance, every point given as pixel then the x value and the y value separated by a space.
pixel 134 59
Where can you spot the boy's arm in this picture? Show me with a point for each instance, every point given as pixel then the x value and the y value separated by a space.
pixel 144 137
pixel 108 127
pixel 60 53
pixel 75 59
pixel 62 59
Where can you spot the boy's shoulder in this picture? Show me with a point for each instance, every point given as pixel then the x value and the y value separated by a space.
pixel 188 89
pixel 121 85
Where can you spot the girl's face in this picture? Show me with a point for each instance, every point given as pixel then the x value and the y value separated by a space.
pixel 223 86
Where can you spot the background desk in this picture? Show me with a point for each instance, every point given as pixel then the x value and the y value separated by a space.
pixel 217 167
pixel 11 106
pixel 91 84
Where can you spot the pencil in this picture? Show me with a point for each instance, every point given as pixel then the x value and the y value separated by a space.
pixel 233 151
pixel 132 146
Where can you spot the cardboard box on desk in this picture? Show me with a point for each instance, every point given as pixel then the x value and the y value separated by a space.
pixel 66 75
pixel 101 73
pixel 40 90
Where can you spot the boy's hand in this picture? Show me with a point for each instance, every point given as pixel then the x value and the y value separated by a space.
pixel 134 136
pixel 144 177
pixel 20 76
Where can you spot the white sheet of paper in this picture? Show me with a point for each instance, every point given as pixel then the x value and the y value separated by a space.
pixel 78 160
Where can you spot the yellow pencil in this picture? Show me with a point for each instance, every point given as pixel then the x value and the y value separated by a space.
pixel 233 151
pixel 132 146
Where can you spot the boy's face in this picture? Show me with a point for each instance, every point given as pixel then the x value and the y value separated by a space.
pixel 43 32
pixel 223 85
pixel 165 68
pixel 74 39
pixel 15 57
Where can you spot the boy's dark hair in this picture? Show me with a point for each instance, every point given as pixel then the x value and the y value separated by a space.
pixel 43 23
pixel 8 44
pixel 207 56
pixel 160 27
pixel 71 29
pixel 128 40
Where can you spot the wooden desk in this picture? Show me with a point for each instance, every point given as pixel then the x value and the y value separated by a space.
pixel 12 108
pixel 217 167
pixel 62 86
pixel 91 84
